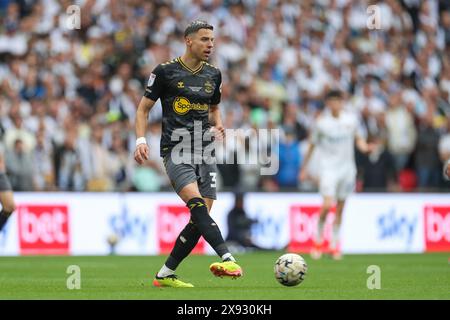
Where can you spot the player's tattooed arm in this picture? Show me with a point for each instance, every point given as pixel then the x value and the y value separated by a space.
pixel 142 151
pixel 216 121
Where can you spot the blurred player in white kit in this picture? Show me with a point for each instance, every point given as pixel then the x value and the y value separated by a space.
pixel 334 135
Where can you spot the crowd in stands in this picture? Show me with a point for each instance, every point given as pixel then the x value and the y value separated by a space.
pixel 68 97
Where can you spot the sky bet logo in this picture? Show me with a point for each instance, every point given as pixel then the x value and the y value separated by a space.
pixel 392 225
pixel 128 226
pixel 267 232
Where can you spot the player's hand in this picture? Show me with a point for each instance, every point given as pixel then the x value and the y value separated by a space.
pixel 219 133
pixel 303 175
pixel 141 153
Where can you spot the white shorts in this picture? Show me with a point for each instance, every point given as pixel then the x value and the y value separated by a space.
pixel 338 185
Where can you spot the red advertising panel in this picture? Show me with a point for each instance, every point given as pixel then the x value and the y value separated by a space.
pixel 303 227
pixel 170 221
pixel 43 229
pixel 437 228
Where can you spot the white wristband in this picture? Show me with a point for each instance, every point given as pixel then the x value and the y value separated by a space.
pixel 141 140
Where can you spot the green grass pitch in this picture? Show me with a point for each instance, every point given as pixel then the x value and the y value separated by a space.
pixel 412 276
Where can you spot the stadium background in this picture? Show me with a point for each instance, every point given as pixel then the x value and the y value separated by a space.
pixel 68 101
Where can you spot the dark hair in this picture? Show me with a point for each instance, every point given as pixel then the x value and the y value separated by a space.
pixel 196 25
pixel 334 94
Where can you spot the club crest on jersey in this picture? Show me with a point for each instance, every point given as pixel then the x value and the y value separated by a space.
pixel 180 85
pixel 209 87
pixel 151 80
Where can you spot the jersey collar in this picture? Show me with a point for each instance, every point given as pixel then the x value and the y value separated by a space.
pixel 189 69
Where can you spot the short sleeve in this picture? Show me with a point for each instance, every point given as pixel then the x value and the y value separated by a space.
pixel 218 91
pixel 155 84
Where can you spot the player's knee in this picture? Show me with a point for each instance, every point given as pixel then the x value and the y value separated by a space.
pixel 188 193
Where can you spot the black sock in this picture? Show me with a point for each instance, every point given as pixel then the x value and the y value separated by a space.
pixel 3 218
pixel 186 241
pixel 206 225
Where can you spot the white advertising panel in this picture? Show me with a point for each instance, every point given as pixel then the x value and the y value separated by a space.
pixel 149 223
pixel 377 224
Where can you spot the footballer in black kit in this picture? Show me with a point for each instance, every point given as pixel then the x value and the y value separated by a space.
pixel 185 95
pixel 189 90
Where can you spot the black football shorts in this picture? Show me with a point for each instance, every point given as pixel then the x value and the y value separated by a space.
pixel 183 174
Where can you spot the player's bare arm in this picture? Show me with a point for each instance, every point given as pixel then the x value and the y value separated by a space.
pixel 142 151
pixel 303 172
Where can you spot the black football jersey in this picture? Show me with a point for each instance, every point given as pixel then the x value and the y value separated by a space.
pixel 186 96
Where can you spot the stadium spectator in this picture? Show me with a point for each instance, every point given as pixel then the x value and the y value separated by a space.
pixel 239 225
pixel 444 143
pixel 96 164
pixel 120 161
pixel 67 164
pixel 249 163
pixel 272 54
pixel 42 155
pixel 401 131
pixel 377 169
pixel 427 154
pixel 17 131
pixel 19 166
pixel 290 160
